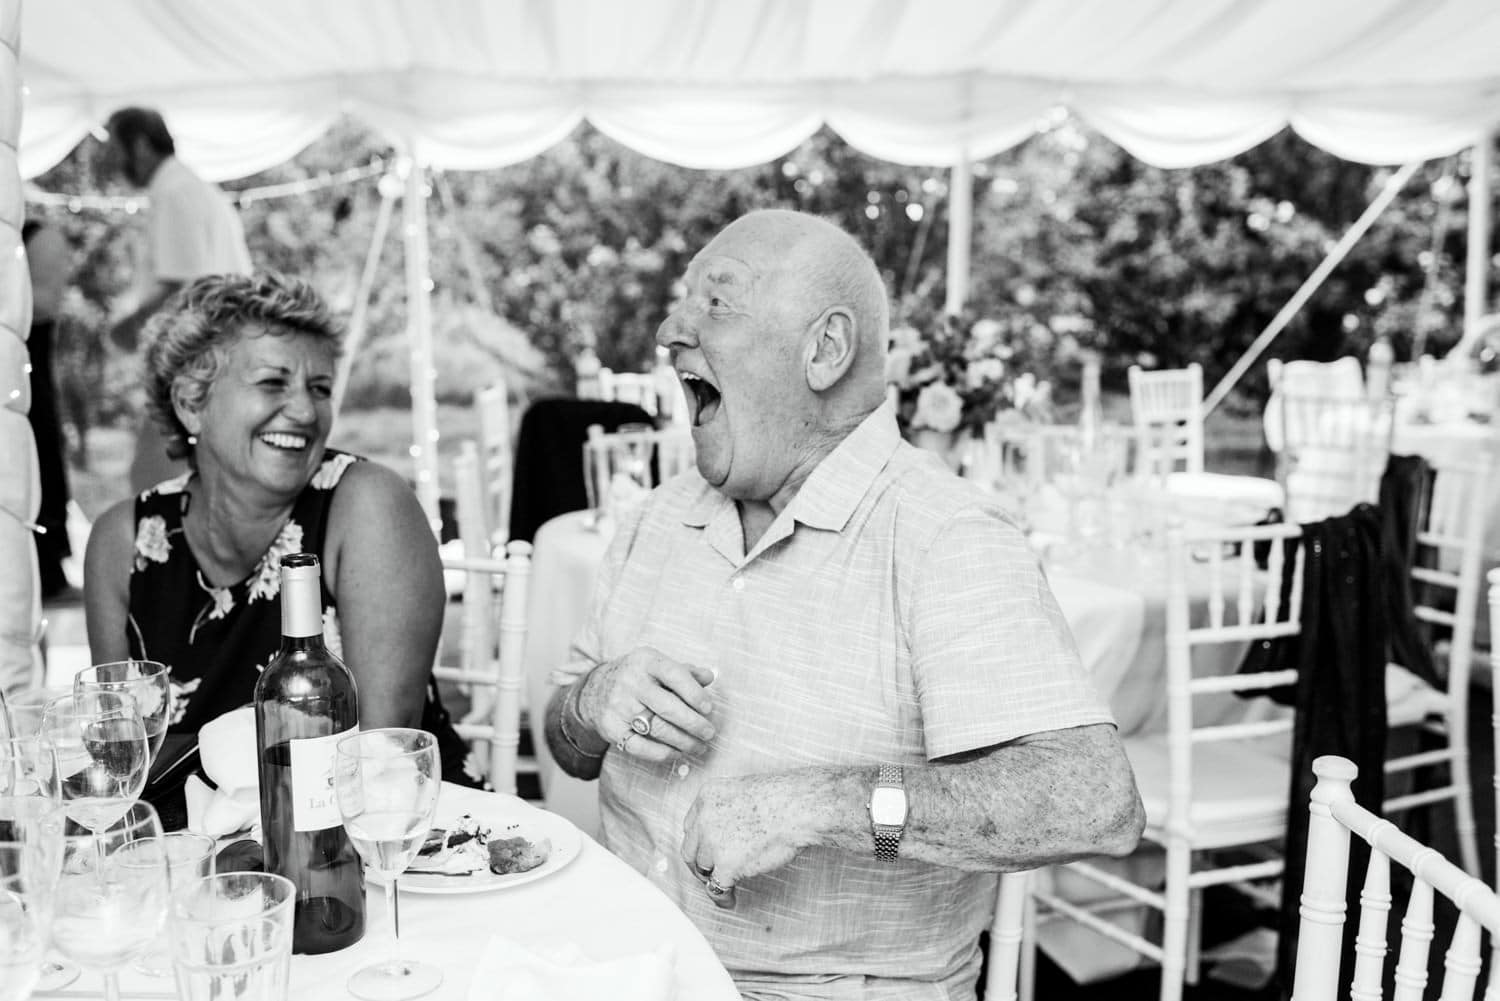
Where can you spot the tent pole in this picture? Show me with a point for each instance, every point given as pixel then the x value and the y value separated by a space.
pixel 960 232
pixel 1278 323
pixel 390 190
pixel 424 448
pixel 1481 218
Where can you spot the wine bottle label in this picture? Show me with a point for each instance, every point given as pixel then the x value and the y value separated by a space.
pixel 315 807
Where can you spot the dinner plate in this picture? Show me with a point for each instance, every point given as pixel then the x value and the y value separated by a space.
pixel 528 823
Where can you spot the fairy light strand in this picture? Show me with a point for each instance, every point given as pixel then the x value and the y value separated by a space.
pixel 131 204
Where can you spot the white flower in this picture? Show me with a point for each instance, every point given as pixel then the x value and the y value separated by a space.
pixel 267 582
pixel 898 366
pixel 984 370
pixel 223 602
pixel 151 541
pixel 180 693
pixel 331 471
pixel 985 334
pixel 1022 389
pixel 938 408
pixel 333 639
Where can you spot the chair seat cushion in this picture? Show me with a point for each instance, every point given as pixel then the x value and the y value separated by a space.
pixel 1409 700
pixel 1239 790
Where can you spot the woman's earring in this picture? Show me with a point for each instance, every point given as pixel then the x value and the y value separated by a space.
pixel 192 439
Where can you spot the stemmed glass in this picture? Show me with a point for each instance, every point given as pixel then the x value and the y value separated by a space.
pixel 28 767
pixel 28 878
pixel 147 681
pixel 20 820
pixel 26 708
pixel 387 785
pixel 106 914
pixel 103 753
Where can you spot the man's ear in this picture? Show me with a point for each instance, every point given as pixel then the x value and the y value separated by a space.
pixel 831 351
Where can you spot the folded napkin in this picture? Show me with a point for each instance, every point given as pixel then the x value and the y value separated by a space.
pixel 509 971
pixel 226 746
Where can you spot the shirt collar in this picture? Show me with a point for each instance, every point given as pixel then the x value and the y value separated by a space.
pixel 834 489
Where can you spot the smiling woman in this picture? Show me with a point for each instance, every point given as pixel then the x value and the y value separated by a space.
pixel 240 375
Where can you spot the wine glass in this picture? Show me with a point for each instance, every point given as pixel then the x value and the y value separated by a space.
pixel 28 767
pixel 387 785
pixel 147 681
pixel 28 877
pixel 102 750
pixel 20 823
pixel 106 914
pixel 26 708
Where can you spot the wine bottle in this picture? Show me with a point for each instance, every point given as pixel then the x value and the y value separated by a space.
pixel 305 702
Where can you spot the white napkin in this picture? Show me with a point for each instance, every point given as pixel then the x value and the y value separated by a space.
pixel 509 971
pixel 226 746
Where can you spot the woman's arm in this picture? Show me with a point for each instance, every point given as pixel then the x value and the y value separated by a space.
pixel 106 582
pixel 381 563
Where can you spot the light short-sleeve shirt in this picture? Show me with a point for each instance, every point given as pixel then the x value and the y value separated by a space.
pixel 191 229
pixel 892 612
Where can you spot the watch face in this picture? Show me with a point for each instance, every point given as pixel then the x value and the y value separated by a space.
pixel 888 807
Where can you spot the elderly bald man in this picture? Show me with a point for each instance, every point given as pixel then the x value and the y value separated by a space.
pixel 823 683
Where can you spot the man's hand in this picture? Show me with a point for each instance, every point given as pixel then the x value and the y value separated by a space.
pixel 649 705
pixel 746 825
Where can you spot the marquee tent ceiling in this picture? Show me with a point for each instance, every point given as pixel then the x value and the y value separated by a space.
pixel 245 84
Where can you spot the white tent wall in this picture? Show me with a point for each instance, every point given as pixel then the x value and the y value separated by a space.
pixel 470 84
pixel 20 608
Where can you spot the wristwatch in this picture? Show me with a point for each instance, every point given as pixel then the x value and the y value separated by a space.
pixel 888 811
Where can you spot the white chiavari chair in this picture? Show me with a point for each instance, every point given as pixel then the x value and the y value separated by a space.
pixel 1331 439
pixel 491 633
pixel 629 387
pixel 646 457
pixel 1008 970
pixel 1335 819
pixel 496 458
pixel 1167 408
pixel 1215 780
pixel 1447 594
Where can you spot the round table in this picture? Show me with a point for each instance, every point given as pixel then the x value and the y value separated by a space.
pixel 596 902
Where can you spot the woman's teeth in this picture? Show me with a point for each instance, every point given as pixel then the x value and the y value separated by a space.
pixel 291 442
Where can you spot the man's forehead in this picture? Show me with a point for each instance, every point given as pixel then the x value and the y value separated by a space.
pixel 723 270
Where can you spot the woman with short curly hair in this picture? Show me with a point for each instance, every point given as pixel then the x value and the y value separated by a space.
pixel 240 373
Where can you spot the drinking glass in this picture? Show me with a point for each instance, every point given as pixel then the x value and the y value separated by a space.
pixel 189 857
pixel 387 784
pixel 636 445
pixel 102 753
pixel 231 937
pixel 147 681
pixel 28 877
pixel 20 822
pixel 106 914
pixel 26 708
pixel 28 767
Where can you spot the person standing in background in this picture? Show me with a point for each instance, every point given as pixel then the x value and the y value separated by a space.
pixel 47 257
pixel 191 230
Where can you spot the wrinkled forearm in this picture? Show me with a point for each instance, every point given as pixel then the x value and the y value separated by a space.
pixel 1052 797
pixel 571 758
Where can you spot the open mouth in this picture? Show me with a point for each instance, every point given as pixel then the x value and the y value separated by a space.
pixel 703 398
pixel 285 441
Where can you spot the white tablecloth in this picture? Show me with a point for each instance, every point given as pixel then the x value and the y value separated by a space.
pixel 596 902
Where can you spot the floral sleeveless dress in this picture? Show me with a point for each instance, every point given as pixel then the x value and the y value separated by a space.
pixel 215 641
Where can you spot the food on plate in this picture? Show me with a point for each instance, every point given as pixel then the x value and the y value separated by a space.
pixel 453 851
pixel 518 854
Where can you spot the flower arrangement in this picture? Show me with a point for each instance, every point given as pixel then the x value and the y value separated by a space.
pixel 960 373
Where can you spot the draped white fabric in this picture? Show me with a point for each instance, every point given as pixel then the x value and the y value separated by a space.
pixel 723 83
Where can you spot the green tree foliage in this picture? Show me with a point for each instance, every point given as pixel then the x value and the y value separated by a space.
pixel 585 244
